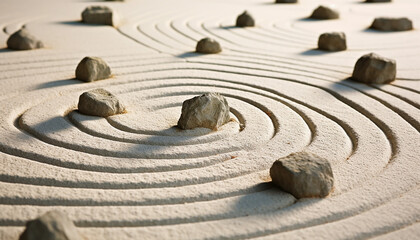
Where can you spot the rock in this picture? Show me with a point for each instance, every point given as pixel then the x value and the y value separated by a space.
pixel 332 41
pixel 100 102
pixel 372 68
pixel 208 45
pixel 377 1
pixel 99 15
pixel 303 175
pixel 53 225
pixel 23 40
pixel 209 110
pixel 286 1
pixel 92 69
pixel 323 12
pixel 392 24
pixel 245 20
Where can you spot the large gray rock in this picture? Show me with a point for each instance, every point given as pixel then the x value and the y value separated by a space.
pixel 392 24
pixel 372 68
pixel 245 20
pixel 100 102
pixel 23 40
pixel 53 225
pixel 286 1
pixel 92 69
pixel 209 110
pixel 303 175
pixel 102 15
pixel 332 41
pixel 208 45
pixel 323 12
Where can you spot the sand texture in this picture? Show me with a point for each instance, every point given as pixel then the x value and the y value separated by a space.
pixel 136 176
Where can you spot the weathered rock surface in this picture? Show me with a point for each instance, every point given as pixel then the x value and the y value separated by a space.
pixel 210 110
pixel 99 15
pixel 208 45
pixel 92 69
pixel 23 40
pixel 392 24
pixel 53 225
pixel 286 1
pixel 323 12
pixel 372 68
pixel 332 41
pixel 245 20
pixel 303 175
pixel 100 102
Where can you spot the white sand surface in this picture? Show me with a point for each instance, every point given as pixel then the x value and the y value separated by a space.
pixel 136 176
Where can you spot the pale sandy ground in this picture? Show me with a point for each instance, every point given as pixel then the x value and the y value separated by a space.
pixel 134 176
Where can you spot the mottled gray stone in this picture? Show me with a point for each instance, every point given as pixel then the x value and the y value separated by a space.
pixel 372 68
pixel 23 40
pixel 303 175
pixel 92 69
pixel 323 12
pixel 53 225
pixel 286 1
pixel 392 24
pixel 245 20
pixel 100 102
pixel 208 45
pixel 210 110
pixel 102 15
pixel 332 41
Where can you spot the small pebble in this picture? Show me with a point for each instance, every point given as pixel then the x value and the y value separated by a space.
pixel 332 41
pixel 210 110
pixel 92 69
pixel 245 20
pixel 208 45
pixel 323 12
pixel 372 68
pixel 23 40
pixel 99 102
pixel 53 225
pixel 286 1
pixel 99 15
pixel 392 24
pixel 303 175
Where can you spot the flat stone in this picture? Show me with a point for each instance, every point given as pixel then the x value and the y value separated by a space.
pixel 245 20
pixel 99 15
pixel 53 225
pixel 92 69
pixel 23 40
pixel 372 68
pixel 377 1
pixel 392 24
pixel 286 1
pixel 323 12
pixel 99 102
pixel 208 45
pixel 303 175
pixel 210 110
pixel 332 41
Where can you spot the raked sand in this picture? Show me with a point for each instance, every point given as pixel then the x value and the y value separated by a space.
pixel 136 176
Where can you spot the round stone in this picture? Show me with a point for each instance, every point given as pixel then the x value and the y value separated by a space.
pixel 245 20
pixel 210 110
pixel 100 102
pixel 323 12
pixel 303 175
pixel 372 68
pixel 102 15
pixel 92 69
pixel 392 24
pixel 208 45
pixel 332 41
pixel 23 40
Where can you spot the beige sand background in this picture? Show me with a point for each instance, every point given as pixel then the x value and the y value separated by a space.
pixel 135 176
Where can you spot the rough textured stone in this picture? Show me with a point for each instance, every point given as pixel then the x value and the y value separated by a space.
pixel 323 12
pixel 377 1
pixel 286 1
pixel 99 15
pixel 92 69
pixel 392 24
pixel 23 40
pixel 303 175
pixel 53 225
pixel 209 110
pixel 208 45
pixel 245 20
pixel 372 68
pixel 332 41
pixel 100 102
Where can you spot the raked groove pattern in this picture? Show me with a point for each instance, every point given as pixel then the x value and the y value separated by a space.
pixel 136 175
